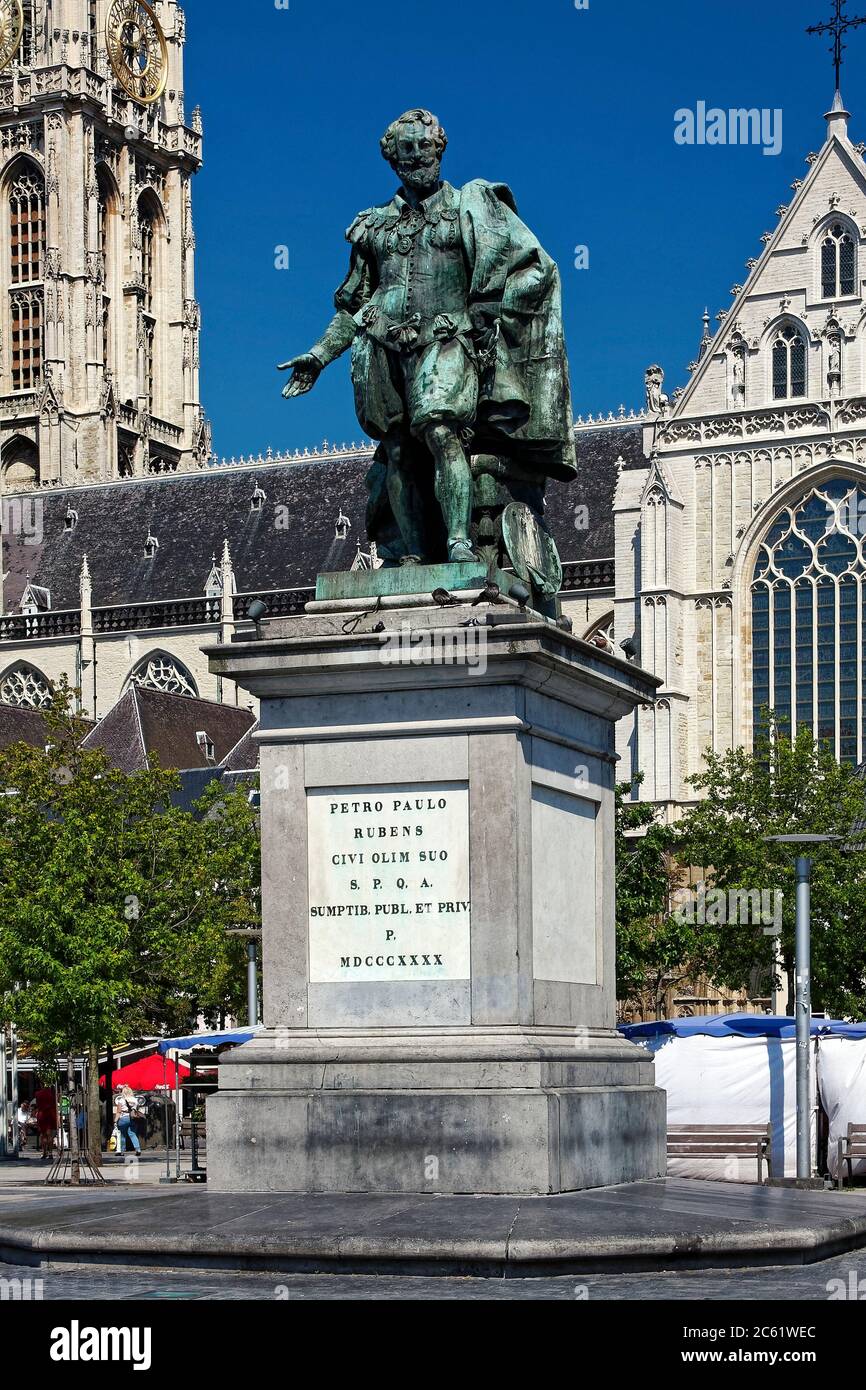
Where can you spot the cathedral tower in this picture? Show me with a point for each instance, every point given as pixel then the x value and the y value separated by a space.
pixel 99 324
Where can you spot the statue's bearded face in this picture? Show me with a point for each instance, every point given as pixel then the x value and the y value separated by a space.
pixel 418 161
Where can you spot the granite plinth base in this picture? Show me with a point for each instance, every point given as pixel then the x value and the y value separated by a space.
pixel 438 828
pixel 519 1114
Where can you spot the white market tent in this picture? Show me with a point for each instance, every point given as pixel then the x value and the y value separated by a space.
pixel 740 1069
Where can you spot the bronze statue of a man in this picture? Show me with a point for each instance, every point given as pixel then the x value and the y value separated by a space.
pixel 453 312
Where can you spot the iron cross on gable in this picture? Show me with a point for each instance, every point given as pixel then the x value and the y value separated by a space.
pixel 837 26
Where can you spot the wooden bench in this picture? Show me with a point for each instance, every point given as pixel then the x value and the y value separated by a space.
pixel 723 1141
pixel 853 1146
pixel 186 1126
pixel 186 1129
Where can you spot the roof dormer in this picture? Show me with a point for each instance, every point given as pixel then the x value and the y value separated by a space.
pixel 35 600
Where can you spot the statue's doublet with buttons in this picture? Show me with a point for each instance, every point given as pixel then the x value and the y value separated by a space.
pixel 410 272
pixel 420 280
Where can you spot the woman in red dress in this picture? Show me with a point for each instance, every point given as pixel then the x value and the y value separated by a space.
pixel 46 1120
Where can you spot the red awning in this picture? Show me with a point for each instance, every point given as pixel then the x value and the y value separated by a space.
pixel 147 1074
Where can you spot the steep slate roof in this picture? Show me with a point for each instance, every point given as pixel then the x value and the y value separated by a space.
pixel 598 451
pixel 147 722
pixel 245 756
pixel 19 725
pixel 191 514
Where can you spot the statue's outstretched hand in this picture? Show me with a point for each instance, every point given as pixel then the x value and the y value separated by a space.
pixel 305 371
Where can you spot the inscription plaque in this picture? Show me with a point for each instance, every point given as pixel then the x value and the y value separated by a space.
pixel 389 882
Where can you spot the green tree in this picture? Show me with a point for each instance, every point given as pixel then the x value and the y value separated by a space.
pixel 113 902
pixel 785 786
pixel 655 949
pixel 227 885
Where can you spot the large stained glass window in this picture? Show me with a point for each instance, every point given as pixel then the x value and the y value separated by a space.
pixel 808 620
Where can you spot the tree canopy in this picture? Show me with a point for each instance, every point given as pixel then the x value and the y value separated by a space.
pixel 783 786
pixel 114 903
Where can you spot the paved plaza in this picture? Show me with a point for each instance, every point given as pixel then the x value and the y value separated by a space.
pixel 673 1225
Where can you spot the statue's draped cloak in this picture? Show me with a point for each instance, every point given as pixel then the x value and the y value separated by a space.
pixel 524 410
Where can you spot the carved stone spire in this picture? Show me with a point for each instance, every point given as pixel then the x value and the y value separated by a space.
pixel 227 575
pixel 837 119
pixel 706 338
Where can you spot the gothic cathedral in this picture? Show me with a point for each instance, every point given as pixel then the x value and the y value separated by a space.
pixel 99 323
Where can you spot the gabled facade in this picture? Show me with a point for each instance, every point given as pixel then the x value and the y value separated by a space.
pixel 740 568
pixel 99 324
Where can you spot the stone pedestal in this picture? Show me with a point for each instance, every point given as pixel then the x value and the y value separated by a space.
pixel 438 879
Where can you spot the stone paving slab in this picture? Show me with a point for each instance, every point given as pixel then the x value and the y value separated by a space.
pixel 651 1225
pixel 29 1171
pixel 788 1284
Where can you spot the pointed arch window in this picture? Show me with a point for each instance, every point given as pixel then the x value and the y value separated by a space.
pixel 838 262
pixel 809 618
pixel 147 226
pixel 125 458
pixel 159 671
pixel 27 48
pixel 25 687
pixel 27 213
pixel 26 270
pixel 107 202
pixel 93 23
pixel 789 364
pixel 19 465
pixel 106 208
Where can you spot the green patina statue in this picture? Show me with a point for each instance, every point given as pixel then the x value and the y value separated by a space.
pixel 453 312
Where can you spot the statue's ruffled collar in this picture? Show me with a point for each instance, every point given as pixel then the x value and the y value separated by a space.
pixel 443 202
pixel 427 205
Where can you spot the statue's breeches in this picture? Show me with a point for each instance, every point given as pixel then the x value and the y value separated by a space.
pixel 396 391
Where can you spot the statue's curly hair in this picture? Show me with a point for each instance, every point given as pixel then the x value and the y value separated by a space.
pixel 389 139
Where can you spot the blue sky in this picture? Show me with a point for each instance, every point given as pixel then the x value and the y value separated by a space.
pixel 574 108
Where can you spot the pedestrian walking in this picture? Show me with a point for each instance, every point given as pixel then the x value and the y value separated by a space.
pixel 45 1101
pixel 125 1106
pixel 25 1123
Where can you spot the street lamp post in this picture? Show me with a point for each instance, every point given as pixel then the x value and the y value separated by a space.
pixel 16 1098
pixel 803 1014
pixel 252 936
pixel 803 993
pixel 4 1124
pixel 252 984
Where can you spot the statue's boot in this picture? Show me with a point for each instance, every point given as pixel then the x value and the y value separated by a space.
pixel 453 488
pixel 405 500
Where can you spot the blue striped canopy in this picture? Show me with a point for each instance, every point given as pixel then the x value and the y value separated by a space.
pixel 741 1026
pixel 238 1035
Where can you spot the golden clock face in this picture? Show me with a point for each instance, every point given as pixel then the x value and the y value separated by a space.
pixel 11 29
pixel 136 50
